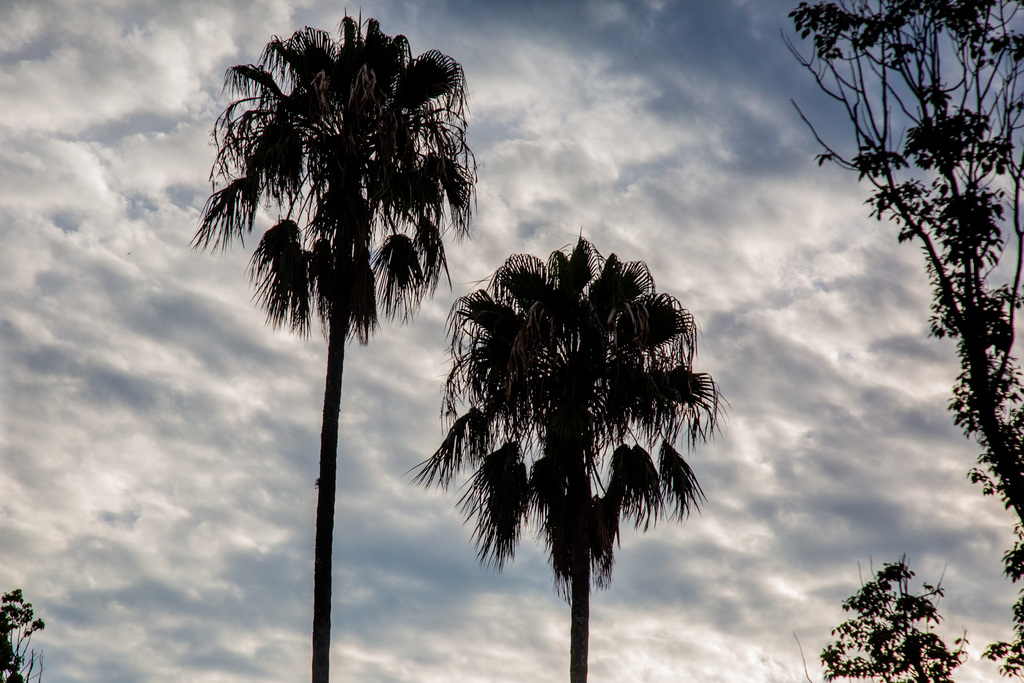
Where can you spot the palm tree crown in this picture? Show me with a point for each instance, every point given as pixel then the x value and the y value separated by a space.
pixel 580 368
pixel 361 150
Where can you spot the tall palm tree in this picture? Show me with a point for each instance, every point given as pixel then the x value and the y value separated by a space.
pixel 577 368
pixel 361 150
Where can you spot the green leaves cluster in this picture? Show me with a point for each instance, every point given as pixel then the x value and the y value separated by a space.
pixel 891 639
pixel 17 624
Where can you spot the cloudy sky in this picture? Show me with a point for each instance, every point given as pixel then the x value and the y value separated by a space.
pixel 158 443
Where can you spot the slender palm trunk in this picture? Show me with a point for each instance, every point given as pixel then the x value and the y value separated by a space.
pixel 580 502
pixel 579 631
pixel 327 485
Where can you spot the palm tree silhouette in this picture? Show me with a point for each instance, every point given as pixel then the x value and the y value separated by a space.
pixel 361 149
pixel 562 364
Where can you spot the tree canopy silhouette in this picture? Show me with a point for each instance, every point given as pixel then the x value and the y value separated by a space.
pixel 933 92
pixel 18 662
pixel 574 372
pixel 891 640
pixel 360 148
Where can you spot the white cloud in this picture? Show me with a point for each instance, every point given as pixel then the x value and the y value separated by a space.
pixel 158 444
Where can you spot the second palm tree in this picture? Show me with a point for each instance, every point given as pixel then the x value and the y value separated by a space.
pixel 580 368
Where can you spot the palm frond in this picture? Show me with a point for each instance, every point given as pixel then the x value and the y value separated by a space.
pixel 430 247
pixel 301 57
pixel 456 178
pixel 400 278
pixel 635 279
pixel 678 482
pixel 605 291
pixel 701 399
pixel 325 286
pixel 522 278
pixel 498 497
pixel 669 323
pixel 251 81
pixel 229 214
pixel 468 440
pixel 558 271
pixel 575 272
pixel 633 487
pixel 603 531
pixel 279 268
pixel 571 424
pixel 549 512
pixel 362 296
pixel 351 36
pixel 475 312
pixel 276 151
pixel 433 76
